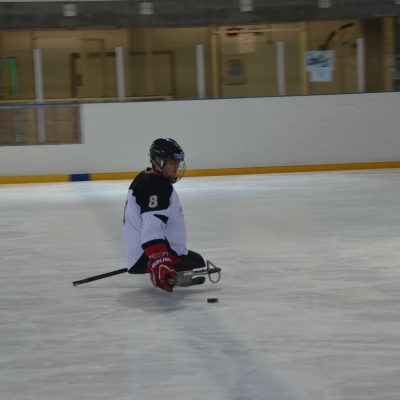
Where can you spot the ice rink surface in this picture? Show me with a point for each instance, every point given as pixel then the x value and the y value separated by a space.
pixel 309 299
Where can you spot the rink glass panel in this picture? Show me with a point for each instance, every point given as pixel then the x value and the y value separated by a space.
pixel 161 62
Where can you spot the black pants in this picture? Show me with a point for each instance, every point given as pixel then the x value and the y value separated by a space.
pixel 190 261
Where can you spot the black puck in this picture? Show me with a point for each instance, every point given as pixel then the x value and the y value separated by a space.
pixel 212 300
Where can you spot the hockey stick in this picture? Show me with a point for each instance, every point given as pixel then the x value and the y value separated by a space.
pixel 210 268
pixel 95 278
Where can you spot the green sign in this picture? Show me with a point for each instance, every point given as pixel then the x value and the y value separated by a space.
pixel 12 77
pixel 9 78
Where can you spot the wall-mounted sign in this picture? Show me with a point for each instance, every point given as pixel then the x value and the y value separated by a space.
pixel 320 65
pixel 246 43
pixel 234 70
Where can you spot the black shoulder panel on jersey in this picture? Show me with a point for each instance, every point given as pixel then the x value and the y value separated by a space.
pixel 162 217
pixel 152 191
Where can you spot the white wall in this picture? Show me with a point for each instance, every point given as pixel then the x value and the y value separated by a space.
pixel 42 160
pixel 224 133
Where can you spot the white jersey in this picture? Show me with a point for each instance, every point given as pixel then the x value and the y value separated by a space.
pixel 153 215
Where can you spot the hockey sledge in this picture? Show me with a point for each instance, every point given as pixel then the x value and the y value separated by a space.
pixel 197 276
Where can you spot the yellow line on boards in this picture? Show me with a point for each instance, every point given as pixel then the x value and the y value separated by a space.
pixel 33 179
pixel 292 168
pixel 208 172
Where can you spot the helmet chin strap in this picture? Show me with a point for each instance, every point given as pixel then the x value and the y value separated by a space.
pixel 158 167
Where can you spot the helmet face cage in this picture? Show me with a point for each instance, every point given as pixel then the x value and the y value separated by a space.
pixel 167 149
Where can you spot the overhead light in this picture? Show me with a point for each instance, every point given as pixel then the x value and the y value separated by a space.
pixel 324 3
pixel 146 8
pixel 246 5
pixel 70 10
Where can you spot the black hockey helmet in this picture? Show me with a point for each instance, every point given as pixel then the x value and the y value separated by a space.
pixel 167 149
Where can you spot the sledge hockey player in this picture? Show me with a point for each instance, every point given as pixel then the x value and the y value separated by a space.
pixel 154 226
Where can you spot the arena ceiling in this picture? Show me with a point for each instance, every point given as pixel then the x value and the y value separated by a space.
pixel 179 13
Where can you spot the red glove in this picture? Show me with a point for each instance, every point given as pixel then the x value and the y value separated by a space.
pixel 161 267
